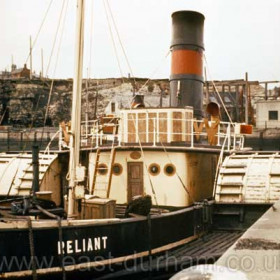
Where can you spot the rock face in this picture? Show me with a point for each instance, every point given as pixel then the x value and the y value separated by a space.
pixel 24 102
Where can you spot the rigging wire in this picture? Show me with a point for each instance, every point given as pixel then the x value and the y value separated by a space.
pixel 56 62
pixel 120 41
pixel 219 165
pixel 56 34
pixel 113 40
pixel 178 176
pixel 145 163
pixel 51 86
pixel 139 141
pixel 134 122
pixel 216 90
pixel 154 72
pixel 40 28
pixel 90 42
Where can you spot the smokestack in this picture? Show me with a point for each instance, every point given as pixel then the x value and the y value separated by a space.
pixel 186 79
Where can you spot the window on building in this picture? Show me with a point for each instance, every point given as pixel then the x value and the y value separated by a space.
pixel 273 115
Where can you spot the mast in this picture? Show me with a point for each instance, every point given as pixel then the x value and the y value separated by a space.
pixel 30 41
pixel 76 106
pixel 42 64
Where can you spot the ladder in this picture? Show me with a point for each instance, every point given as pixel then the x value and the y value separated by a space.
pixel 103 171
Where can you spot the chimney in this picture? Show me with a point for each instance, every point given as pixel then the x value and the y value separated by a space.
pixel 14 67
pixel 186 79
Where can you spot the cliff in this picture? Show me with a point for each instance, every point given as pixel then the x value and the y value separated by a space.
pixel 24 102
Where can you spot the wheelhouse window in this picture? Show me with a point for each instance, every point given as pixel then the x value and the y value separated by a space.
pixel 273 115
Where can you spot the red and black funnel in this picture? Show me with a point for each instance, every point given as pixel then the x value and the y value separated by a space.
pixel 186 79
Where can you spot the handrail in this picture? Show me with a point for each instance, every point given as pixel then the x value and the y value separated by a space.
pixel 153 133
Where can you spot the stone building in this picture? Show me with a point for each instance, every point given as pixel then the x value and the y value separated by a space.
pixel 268 114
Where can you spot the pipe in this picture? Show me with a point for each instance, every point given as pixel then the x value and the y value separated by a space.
pixel 35 165
pixel 186 79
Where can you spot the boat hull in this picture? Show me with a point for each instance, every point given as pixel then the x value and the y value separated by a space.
pixel 94 245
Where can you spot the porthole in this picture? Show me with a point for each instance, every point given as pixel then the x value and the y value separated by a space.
pixel 117 169
pixel 154 169
pixel 102 169
pixel 169 169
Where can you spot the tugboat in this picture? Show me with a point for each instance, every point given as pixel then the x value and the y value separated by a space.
pixel 141 189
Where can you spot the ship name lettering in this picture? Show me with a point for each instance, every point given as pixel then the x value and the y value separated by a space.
pixel 82 246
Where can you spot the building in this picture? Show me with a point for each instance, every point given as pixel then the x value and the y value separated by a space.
pixel 20 72
pixel 5 74
pixel 268 114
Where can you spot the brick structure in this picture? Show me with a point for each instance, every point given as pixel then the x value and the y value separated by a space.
pixel 21 72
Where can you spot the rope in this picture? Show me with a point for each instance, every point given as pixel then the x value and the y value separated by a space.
pixel 57 56
pixel 178 176
pixel 47 213
pixel 112 37
pixel 2 118
pixel 219 165
pixel 42 23
pixel 61 248
pixel 32 249
pixel 142 152
pixel 216 90
pixel 61 36
pixel 55 38
pixel 90 43
pixel 155 71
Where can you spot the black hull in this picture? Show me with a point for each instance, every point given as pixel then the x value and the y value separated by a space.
pixel 95 245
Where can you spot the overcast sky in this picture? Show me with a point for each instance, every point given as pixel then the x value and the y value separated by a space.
pixel 240 36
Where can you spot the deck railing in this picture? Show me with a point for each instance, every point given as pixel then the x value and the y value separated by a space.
pixel 193 133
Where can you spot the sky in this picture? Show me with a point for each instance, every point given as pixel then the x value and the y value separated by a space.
pixel 240 36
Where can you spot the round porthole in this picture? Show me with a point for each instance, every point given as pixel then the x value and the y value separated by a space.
pixel 102 169
pixel 169 169
pixel 154 169
pixel 117 169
